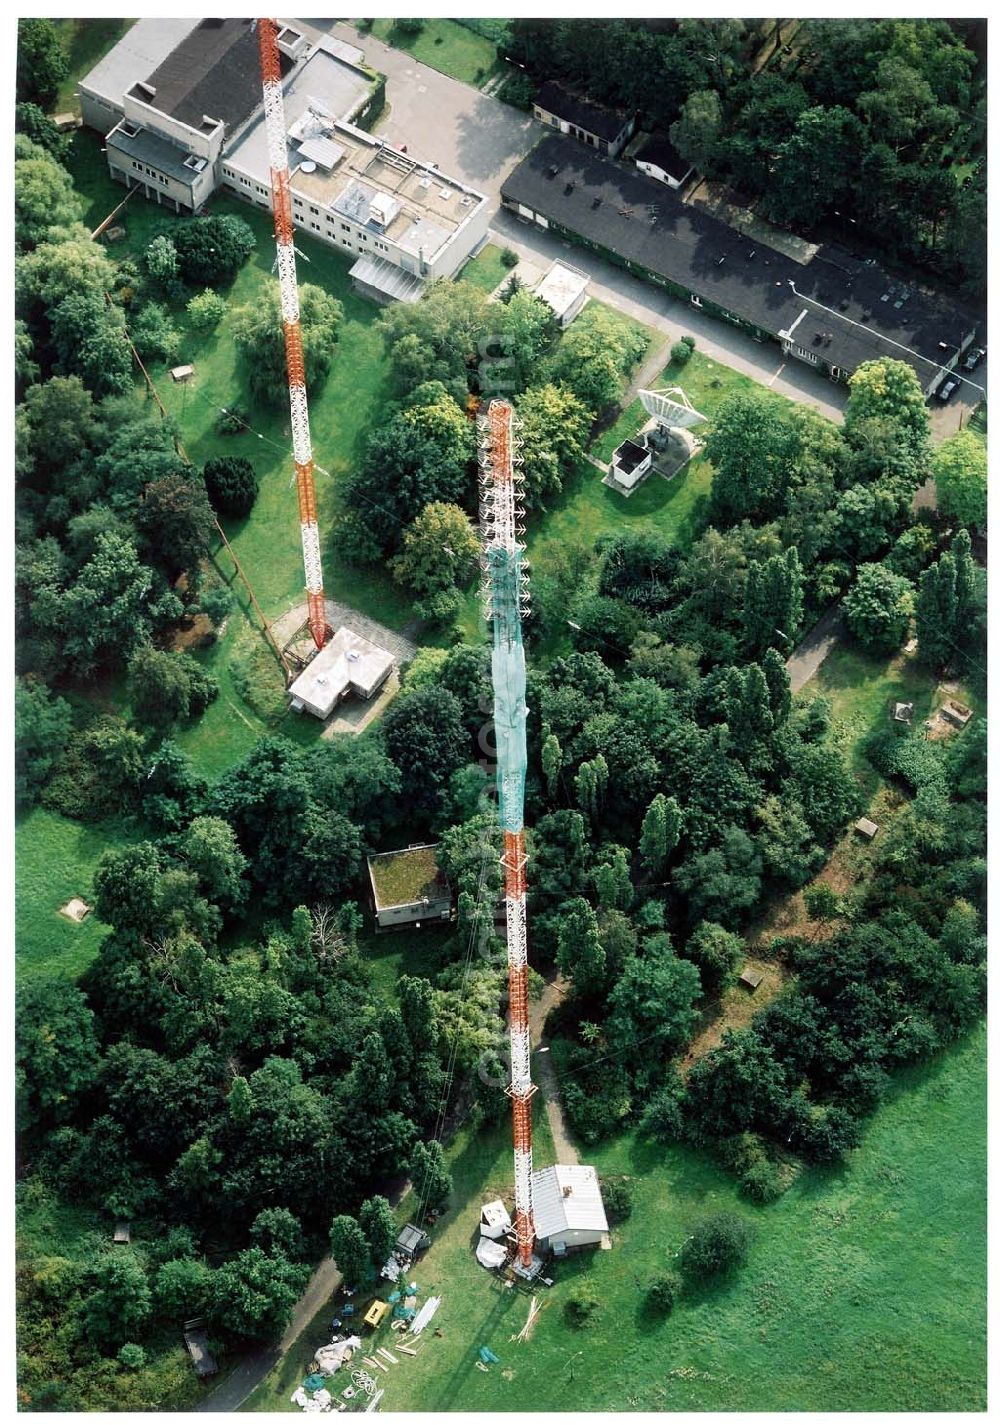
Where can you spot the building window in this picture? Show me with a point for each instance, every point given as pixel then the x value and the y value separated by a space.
pixel 297 202
pixel 313 210
pixel 345 227
pixel 245 182
pixel 261 191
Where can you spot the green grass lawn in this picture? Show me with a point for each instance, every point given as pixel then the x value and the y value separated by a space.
pixel 861 688
pixel 865 1288
pixel 84 42
pixel 404 952
pixel 588 509
pixel 486 270
pixel 479 1163
pixel 267 543
pixel 705 382
pixel 55 860
pixel 445 45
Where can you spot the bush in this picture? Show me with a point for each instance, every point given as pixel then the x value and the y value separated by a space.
pixel 132 1356
pixel 216 603
pixel 231 483
pixel 232 421
pixel 662 1293
pixel 259 681
pixel 409 25
pixel 717 1246
pixel 662 1117
pixel 761 1182
pixel 617 1196
pixel 509 257
pixel 581 1306
pixel 680 352
pixel 206 310
pixel 519 91
pixel 213 249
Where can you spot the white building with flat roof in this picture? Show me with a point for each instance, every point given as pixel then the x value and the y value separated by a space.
pixel 347 664
pixel 180 105
pixel 564 288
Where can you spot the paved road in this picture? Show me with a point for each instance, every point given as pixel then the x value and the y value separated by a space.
pixel 254 1368
pixel 762 361
pixel 815 647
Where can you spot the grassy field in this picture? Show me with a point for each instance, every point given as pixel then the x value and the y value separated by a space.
pixel 485 270
pixel 479 1163
pixel 865 1289
pixel 589 509
pixel 445 45
pixel 706 384
pixel 267 543
pixel 84 42
pixel 862 687
pixel 56 858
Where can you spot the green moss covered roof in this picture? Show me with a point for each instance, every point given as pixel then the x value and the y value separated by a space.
pixel 403 877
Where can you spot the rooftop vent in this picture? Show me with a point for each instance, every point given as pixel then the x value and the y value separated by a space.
pixel 445 193
pixel 568 188
pixel 131 131
pixel 751 254
pixel 553 169
pixel 423 182
pixel 596 203
pixel 193 161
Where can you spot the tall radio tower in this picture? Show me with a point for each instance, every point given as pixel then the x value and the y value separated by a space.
pixel 277 147
pixel 505 598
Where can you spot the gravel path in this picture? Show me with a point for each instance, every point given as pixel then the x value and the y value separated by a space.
pixel 545 1075
pixel 400 645
pixel 815 647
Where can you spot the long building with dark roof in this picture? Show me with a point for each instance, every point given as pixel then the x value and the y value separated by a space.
pixel 833 311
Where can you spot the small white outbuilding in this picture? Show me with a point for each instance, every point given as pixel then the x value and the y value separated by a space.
pixel 494 1220
pixel 568 1207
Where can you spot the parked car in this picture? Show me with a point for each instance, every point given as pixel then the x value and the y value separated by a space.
pixel 973 358
pixel 948 390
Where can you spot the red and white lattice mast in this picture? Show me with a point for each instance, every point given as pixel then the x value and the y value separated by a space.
pixel 505 599
pixel 281 197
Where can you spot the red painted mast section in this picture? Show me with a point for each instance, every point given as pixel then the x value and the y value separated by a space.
pixel 284 232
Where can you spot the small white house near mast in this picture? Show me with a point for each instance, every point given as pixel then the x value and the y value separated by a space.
pixel 347 664
pixel 568 1208
pixel 564 288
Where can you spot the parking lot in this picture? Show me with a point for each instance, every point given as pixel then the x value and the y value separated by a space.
pixel 467 134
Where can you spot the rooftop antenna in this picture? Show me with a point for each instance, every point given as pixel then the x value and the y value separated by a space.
pixel 281 200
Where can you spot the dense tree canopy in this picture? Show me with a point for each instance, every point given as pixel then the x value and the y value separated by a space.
pixel 259 336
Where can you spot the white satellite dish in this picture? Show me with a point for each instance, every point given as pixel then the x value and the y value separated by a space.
pixel 307 166
pixel 672 407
